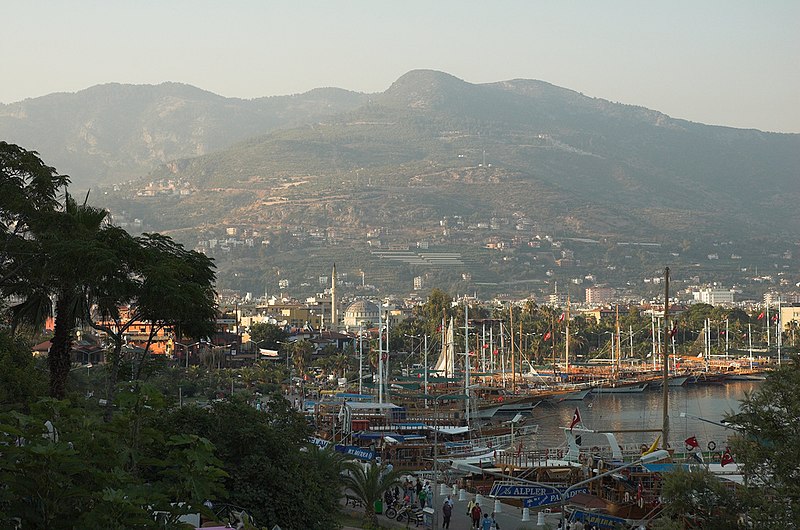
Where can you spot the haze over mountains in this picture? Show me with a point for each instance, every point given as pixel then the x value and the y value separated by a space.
pixel 429 147
pixel 111 133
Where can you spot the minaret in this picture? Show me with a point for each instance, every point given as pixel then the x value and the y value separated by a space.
pixel 334 314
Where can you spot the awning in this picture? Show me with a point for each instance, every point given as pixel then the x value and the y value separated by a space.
pixel 450 430
pixel 358 405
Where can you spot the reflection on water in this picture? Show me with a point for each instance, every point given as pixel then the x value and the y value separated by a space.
pixel 644 411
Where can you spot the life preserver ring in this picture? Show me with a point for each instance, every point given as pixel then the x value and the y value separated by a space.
pixel 600 465
pixel 560 454
pixel 627 497
pixel 712 445
pixel 595 450
pixel 640 502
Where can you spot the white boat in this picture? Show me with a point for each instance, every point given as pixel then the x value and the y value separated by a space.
pixel 620 388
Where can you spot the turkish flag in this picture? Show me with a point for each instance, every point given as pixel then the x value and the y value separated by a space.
pixel 576 419
pixel 727 457
pixel 761 315
pixel 546 336
pixel 691 443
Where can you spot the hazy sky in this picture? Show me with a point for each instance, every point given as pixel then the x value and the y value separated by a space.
pixel 723 62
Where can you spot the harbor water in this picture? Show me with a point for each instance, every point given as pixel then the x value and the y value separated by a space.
pixel 608 412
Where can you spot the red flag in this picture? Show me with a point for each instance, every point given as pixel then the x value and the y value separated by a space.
pixel 576 419
pixel 674 330
pixel 561 318
pixel 775 317
pixel 691 443
pixel 546 336
pixel 496 351
pixel 485 346
pixel 761 315
pixel 727 457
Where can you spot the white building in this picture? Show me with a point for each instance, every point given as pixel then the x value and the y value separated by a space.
pixel 713 296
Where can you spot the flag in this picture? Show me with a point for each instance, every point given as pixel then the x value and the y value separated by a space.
pixel 639 490
pixel 653 447
pixel 674 330
pixel 576 419
pixel 691 443
pixel 727 457
pixel 546 336
pixel 496 351
pixel 761 315
pixel 485 346
pixel 561 318
pixel 775 317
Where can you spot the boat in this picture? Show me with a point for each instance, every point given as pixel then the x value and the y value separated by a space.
pixel 619 387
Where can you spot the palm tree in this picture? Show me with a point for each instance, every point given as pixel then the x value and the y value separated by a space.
pixel 368 482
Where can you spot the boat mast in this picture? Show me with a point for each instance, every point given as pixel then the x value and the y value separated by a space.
pixel 665 363
pixel 380 352
pixel 466 358
pixel 617 335
pixel 513 358
pixel 566 341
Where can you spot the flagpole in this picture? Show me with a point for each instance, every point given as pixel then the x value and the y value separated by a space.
pixel 665 364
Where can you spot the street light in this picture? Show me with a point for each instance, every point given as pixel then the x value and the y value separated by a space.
pixel 257 351
pixel 436 400
pixel 186 349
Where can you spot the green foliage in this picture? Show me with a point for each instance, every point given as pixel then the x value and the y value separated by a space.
pixel 700 499
pixel 83 472
pixel 20 376
pixel 368 482
pixel 766 448
pixel 267 473
pixel 267 335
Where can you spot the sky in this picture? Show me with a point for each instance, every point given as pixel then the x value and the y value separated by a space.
pixel 721 62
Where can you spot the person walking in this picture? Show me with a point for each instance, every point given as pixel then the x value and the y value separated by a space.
pixel 447 512
pixel 476 516
pixel 486 524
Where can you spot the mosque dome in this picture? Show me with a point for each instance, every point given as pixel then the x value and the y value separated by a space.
pixel 359 313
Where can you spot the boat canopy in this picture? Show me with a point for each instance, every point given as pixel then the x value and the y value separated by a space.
pixel 446 429
pixel 358 405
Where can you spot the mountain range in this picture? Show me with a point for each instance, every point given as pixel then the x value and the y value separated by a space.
pixel 430 148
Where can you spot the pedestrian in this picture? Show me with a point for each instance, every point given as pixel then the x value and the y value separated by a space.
pixel 487 523
pixel 476 516
pixel 422 496
pixel 495 524
pixel 470 504
pixel 447 511
pixel 450 501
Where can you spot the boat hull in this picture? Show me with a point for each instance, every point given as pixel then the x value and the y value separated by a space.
pixel 621 389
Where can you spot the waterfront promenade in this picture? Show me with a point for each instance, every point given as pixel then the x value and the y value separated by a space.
pixel 510 518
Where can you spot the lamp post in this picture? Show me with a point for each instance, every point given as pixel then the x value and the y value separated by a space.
pixel 436 400
pixel 186 350
pixel 257 351
pixel 655 456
